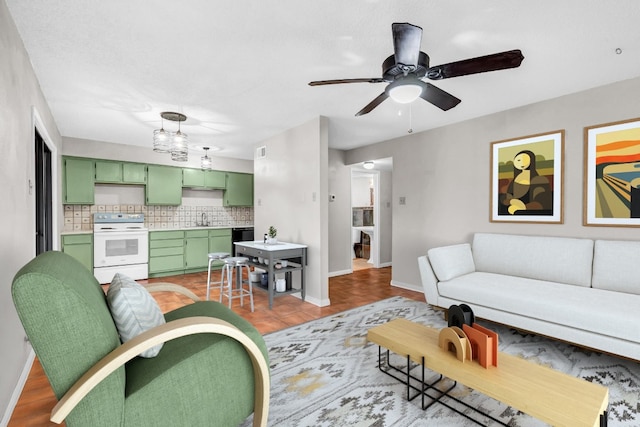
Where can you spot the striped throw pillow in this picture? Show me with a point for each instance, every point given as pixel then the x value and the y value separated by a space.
pixel 133 310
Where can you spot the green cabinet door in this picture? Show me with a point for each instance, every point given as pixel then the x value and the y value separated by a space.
pixel 134 173
pixel 79 246
pixel 215 179
pixel 164 185
pixel 78 181
pixel 110 172
pixel 193 178
pixel 239 189
pixel 196 250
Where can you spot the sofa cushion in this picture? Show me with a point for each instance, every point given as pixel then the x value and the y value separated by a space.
pixel 555 259
pixel 134 310
pixel 451 261
pixel 616 266
pixel 596 310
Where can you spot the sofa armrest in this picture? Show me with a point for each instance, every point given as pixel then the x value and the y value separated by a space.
pixel 160 334
pixel 429 281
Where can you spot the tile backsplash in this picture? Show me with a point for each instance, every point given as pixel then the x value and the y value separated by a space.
pixel 80 217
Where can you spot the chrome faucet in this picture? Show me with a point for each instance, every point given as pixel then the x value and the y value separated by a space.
pixel 204 219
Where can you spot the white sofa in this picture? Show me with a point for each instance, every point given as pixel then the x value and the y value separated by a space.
pixel 582 291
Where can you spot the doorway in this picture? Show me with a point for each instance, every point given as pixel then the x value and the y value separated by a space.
pixel 43 194
pixel 371 214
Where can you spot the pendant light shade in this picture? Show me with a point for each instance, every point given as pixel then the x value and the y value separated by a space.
pixel 205 160
pixel 175 143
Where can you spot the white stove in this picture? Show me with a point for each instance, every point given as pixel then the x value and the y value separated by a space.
pixel 120 245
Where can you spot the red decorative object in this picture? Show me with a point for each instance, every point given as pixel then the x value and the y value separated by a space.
pixel 484 344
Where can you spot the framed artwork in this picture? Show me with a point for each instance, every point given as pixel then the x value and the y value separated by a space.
pixel 526 179
pixel 612 174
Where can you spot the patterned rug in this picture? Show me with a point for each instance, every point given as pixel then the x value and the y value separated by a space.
pixel 324 373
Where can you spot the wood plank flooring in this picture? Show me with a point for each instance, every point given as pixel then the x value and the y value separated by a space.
pixel 345 292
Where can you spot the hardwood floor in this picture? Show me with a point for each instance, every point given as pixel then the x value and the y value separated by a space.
pixel 345 292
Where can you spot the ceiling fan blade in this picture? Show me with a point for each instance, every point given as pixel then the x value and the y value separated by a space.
pixel 373 104
pixel 340 81
pixel 406 45
pixel 438 97
pixel 481 64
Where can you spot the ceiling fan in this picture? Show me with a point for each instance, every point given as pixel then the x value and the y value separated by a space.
pixel 407 70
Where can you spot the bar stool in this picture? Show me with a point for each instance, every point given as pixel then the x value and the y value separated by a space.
pixel 215 256
pixel 236 263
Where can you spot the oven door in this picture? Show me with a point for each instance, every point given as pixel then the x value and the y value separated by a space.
pixel 113 248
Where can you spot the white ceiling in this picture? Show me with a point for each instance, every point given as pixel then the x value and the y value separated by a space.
pixel 239 69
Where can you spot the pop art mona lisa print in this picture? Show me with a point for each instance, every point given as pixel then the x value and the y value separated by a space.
pixel 526 179
pixel 612 171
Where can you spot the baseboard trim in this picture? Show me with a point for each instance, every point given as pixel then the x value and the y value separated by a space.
pixel 340 273
pixel 312 300
pixel 385 264
pixel 18 390
pixel 407 286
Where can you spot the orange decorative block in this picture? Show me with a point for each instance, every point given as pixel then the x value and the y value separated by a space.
pixel 454 339
pixel 484 344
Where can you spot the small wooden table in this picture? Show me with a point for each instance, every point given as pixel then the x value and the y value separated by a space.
pixel 551 396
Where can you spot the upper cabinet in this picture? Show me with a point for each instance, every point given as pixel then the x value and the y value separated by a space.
pixel 120 172
pixel 78 181
pixel 204 179
pixel 164 185
pixel 239 189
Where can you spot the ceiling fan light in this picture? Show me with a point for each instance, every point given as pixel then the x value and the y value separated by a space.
pixel 405 93
pixel 368 164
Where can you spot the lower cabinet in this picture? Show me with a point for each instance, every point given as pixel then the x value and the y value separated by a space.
pixel 79 246
pixel 185 251
pixel 166 253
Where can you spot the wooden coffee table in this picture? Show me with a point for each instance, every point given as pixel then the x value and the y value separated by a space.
pixel 551 396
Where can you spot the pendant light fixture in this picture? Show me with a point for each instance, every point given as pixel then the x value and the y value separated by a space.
pixel 205 160
pixel 161 139
pixel 175 143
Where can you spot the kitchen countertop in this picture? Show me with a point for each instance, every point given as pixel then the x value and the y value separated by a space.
pixel 280 246
pixel 209 227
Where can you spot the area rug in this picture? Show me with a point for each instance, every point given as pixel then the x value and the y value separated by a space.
pixel 324 373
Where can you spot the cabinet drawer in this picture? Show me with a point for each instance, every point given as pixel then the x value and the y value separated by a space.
pixel 172 243
pixel 196 233
pixel 166 263
pixel 164 235
pixel 220 232
pixel 155 252
pixel 76 239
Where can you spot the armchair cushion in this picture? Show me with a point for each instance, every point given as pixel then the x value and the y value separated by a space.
pixel 133 310
pixel 162 390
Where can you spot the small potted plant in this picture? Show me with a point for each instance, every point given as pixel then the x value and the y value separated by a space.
pixel 272 235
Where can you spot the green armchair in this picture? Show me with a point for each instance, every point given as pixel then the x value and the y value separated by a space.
pixel 212 370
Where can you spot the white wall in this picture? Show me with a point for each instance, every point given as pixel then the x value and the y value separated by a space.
pixel 291 193
pixel 105 150
pixel 445 174
pixel 19 94
pixel 360 188
pixel 385 220
pixel 339 215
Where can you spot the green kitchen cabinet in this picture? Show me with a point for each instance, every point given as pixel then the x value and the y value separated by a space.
pixel 108 172
pixel 196 249
pixel 78 181
pixel 134 173
pixel 215 180
pixel 220 241
pixel 239 189
pixel 120 172
pixel 206 179
pixel 164 185
pixel 166 253
pixel 79 246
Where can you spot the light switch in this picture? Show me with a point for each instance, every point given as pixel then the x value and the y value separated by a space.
pixel 403 200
